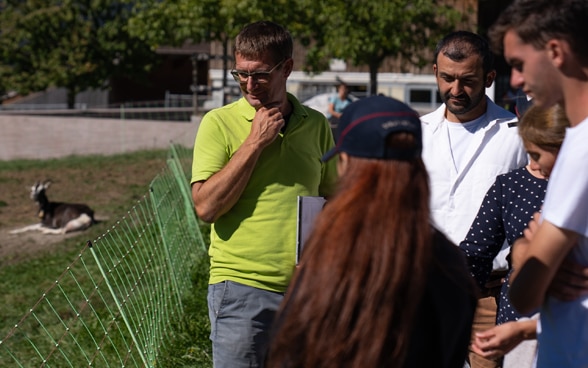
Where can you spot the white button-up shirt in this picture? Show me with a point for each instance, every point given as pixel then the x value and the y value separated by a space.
pixel 457 193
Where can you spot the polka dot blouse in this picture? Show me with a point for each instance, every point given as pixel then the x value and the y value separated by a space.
pixel 505 212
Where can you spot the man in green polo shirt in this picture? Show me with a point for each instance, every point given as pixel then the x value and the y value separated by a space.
pixel 252 158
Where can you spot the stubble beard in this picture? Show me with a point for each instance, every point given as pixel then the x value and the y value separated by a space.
pixel 470 103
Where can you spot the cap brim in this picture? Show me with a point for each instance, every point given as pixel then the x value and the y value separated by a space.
pixel 330 154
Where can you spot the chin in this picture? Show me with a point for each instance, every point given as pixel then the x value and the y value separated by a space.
pixel 541 103
pixel 458 110
pixel 254 102
pixel 544 102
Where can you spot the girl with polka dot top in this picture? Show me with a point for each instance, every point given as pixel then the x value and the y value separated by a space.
pixel 508 207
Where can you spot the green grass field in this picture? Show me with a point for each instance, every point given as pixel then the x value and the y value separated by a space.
pixel 29 264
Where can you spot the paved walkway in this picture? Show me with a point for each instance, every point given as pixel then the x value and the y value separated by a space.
pixel 36 137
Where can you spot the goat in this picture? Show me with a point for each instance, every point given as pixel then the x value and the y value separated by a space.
pixel 57 217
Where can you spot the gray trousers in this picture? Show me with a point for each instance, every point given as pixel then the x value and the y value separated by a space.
pixel 240 319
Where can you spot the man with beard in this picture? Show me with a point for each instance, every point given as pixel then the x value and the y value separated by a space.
pixel 467 142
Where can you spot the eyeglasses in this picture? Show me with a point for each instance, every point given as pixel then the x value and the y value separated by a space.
pixel 242 76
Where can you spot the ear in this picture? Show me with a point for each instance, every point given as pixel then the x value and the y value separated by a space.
pixel 342 163
pixel 435 69
pixel 490 78
pixel 288 67
pixel 556 51
pixel 47 184
pixel 35 187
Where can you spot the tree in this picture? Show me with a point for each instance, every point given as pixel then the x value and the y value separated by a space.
pixel 368 32
pixel 177 22
pixel 76 44
pixel 359 31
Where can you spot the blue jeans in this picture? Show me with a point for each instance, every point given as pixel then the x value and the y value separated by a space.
pixel 240 321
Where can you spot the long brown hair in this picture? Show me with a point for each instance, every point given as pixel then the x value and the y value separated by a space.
pixel 352 301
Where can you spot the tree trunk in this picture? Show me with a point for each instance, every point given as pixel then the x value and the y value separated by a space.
pixel 71 98
pixel 225 68
pixel 374 79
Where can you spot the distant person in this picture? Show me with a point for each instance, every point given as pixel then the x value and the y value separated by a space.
pixel 522 102
pixel 377 285
pixel 337 103
pixel 508 100
pixel 508 207
pixel 516 101
pixel 467 142
pixel 545 43
pixel 252 158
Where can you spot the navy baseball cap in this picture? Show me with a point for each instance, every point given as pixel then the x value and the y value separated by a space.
pixel 366 123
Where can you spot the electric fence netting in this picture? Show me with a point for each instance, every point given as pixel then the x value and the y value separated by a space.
pixel 115 303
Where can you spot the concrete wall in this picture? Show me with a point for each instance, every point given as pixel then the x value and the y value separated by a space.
pixel 37 137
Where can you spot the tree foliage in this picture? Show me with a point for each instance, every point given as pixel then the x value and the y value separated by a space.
pixel 365 33
pixel 358 31
pixel 76 44
pixel 81 44
pixel 178 22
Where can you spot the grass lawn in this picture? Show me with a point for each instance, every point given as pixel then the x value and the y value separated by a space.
pixel 30 262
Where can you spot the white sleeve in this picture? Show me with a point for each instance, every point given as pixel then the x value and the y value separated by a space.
pixel 566 201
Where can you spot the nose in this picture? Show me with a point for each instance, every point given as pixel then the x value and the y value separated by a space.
pixel 251 83
pixel 516 79
pixel 534 165
pixel 456 88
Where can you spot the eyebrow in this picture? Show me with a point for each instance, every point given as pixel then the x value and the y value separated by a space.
pixel 253 71
pixel 260 71
pixel 512 60
pixel 463 76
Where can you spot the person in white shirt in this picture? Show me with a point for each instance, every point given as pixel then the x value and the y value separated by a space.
pixel 545 43
pixel 467 142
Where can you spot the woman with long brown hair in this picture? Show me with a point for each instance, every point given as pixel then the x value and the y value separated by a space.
pixel 377 285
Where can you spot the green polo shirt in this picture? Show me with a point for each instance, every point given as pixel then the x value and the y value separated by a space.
pixel 255 242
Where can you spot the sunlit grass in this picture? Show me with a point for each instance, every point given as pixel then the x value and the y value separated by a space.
pixel 112 185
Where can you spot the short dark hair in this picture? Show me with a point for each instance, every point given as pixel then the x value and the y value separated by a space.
pixel 259 38
pixel 459 45
pixel 537 21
